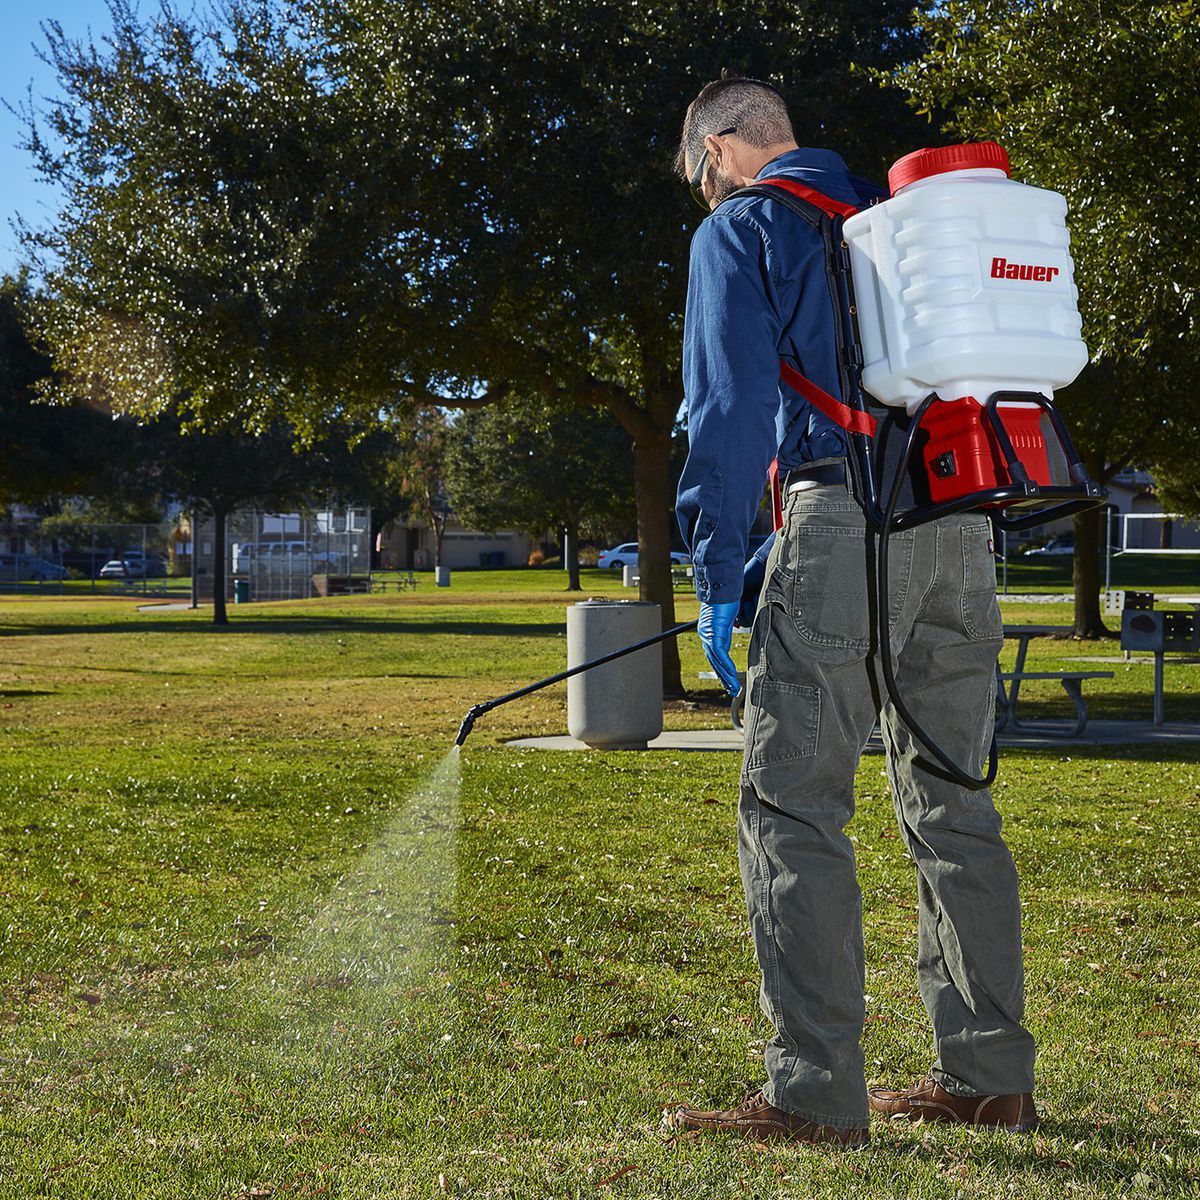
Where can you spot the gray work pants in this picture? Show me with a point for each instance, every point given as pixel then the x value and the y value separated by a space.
pixel 812 700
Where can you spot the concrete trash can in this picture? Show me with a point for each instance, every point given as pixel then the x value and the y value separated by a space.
pixel 241 591
pixel 617 706
pixel 441 576
pixel 629 575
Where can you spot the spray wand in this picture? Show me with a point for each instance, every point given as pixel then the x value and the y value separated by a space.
pixel 478 710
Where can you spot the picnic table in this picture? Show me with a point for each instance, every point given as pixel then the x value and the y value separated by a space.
pixel 400 583
pixel 1072 682
pixel 1007 697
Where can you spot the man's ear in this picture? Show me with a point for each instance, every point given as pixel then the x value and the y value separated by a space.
pixel 716 151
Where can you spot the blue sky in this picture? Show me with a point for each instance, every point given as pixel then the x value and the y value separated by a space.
pixel 19 66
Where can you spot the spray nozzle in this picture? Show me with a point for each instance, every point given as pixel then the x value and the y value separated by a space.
pixel 468 723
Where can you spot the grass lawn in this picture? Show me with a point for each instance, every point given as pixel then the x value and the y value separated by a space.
pixel 259 938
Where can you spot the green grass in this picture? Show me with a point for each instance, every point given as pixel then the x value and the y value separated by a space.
pixel 1140 572
pixel 254 941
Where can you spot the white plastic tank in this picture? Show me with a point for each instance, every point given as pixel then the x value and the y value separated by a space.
pixel 964 282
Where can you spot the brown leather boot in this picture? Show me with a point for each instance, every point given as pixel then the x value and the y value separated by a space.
pixel 755 1118
pixel 927 1100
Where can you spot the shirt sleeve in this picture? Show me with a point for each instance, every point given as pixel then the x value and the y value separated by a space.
pixel 732 331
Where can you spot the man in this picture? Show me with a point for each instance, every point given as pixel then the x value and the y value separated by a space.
pixel 758 293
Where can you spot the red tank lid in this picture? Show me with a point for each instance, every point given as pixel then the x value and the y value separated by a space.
pixel 920 164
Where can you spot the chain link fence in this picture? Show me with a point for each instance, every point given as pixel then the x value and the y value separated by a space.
pixel 287 556
pixel 268 556
pixel 56 557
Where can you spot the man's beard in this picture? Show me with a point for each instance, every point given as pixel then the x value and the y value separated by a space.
pixel 722 186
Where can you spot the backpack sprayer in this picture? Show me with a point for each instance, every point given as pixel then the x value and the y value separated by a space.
pixel 955 301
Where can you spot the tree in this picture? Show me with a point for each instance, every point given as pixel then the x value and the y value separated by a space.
pixel 223 470
pixel 420 468
pixel 214 253
pixel 1098 101
pixel 532 465
pixel 395 203
pixel 557 233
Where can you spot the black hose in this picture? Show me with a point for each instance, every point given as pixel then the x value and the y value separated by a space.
pixel 960 776
pixel 479 709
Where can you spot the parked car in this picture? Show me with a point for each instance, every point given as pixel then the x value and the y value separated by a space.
pixel 19 568
pixel 143 565
pixel 627 553
pixel 1055 546
pixel 115 568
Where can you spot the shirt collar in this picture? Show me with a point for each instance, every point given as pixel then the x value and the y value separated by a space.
pixel 808 160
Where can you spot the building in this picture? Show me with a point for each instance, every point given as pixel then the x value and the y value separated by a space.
pixel 410 545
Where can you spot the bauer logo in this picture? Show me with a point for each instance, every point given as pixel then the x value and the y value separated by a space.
pixel 1037 268
pixel 1037 272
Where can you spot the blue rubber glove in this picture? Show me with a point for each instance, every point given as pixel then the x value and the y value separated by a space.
pixel 716 636
pixel 752 580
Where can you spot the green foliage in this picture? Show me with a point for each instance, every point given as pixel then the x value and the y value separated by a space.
pixel 531 465
pixel 213 252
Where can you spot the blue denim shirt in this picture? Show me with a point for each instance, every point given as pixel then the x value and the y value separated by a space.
pixel 757 292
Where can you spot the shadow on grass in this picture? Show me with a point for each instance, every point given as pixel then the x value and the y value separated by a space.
pixel 1158 752
pixel 297 624
pixel 1012 1153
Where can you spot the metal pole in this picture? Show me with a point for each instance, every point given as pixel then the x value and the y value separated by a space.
pixel 1004 548
pixel 1108 524
pixel 194 533
pixel 1158 687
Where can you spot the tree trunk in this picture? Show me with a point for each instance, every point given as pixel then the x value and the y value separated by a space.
pixel 439 533
pixel 1089 541
pixel 220 615
pixel 652 488
pixel 570 549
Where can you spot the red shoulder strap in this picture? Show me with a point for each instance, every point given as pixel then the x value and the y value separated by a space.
pixel 835 208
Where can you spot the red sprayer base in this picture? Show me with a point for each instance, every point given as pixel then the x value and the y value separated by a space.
pixel 962 454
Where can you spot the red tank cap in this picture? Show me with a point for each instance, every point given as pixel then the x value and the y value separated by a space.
pixel 920 164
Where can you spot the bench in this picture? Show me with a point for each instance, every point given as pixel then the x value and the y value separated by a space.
pixel 1072 681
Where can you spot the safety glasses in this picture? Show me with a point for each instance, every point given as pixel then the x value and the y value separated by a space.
pixel 696 183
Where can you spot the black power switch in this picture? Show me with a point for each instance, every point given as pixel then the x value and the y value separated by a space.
pixel 944 465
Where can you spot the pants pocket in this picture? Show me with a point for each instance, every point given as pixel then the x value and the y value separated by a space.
pixel 828 601
pixel 980 609
pixel 785 722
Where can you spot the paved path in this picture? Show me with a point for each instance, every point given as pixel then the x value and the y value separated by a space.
pixel 164 607
pixel 1098 733
pixel 1069 598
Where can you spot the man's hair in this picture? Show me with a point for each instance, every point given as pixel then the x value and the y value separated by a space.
pixel 755 107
